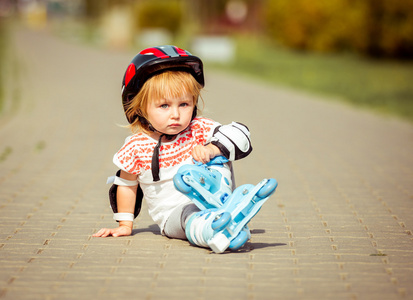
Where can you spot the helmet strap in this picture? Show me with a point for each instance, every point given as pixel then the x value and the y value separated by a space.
pixel 155 160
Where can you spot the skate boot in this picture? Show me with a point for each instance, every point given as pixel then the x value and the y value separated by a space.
pixel 207 185
pixel 224 227
pixel 199 229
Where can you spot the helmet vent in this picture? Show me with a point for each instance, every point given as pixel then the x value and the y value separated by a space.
pixel 130 72
pixel 154 51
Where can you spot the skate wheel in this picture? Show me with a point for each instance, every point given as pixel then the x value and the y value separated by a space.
pixel 219 243
pixel 239 241
pixel 181 185
pixel 221 221
pixel 268 188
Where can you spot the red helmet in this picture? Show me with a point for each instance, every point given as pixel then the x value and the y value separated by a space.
pixel 155 60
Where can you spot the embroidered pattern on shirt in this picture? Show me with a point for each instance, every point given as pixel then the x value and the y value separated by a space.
pixel 136 154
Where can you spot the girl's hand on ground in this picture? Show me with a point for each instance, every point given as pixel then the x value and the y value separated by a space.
pixel 115 232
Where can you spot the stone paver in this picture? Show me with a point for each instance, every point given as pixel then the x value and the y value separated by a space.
pixel 339 226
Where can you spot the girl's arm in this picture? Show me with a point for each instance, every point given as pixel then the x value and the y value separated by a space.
pixel 126 198
pixel 232 141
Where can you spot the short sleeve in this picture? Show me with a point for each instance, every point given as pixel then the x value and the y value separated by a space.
pixel 203 129
pixel 135 155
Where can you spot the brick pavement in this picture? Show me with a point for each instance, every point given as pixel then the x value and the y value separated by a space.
pixel 338 227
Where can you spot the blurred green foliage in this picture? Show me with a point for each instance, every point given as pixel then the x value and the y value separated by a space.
pixel 380 85
pixel 372 27
pixel 159 14
pixel 94 9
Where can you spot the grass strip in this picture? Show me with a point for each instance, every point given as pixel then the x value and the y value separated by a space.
pixel 382 85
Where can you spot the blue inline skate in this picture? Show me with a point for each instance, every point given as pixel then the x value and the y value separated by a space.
pixel 222 221
pixel 207 185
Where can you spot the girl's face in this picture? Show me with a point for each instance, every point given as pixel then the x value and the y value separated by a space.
pixel 171 115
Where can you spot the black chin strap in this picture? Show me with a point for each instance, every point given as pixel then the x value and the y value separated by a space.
pixel 155 156
pixel 155 160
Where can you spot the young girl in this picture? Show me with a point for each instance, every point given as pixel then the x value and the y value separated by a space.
pixel 160 94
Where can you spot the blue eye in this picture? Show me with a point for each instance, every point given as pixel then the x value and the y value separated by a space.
pixel 164 106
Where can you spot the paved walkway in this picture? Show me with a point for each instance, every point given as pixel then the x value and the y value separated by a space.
pixel 339 226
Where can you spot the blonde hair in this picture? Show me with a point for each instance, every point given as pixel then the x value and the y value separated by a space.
pixel 169 84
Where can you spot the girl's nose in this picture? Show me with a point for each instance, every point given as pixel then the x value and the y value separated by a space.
pixel 175 112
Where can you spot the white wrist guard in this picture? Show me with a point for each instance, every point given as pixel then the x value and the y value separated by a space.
pixel 123 217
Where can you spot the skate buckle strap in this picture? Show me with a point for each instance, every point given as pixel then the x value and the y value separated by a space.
pixel 250 196
pixel 123 217
pixel 245 203
pixel 204 193
pixel 120 181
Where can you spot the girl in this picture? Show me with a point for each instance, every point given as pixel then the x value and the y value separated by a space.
pixel 160 94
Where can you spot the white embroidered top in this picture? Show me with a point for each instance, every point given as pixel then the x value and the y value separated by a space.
pixel 135 157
